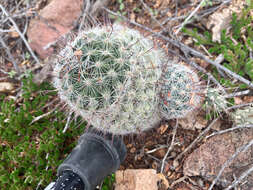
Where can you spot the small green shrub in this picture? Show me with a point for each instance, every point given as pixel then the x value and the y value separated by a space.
pixel 215 101
pixel 31 153
pixel 236 49
pixel 108 182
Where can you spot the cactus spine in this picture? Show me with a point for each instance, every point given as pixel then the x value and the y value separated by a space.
pixel 109 77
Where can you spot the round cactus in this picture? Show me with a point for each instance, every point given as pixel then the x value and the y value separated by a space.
pixel 179 92
pixel 108 75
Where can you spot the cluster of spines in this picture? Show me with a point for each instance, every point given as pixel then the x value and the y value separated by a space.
pixel 215 100
pixel 243 116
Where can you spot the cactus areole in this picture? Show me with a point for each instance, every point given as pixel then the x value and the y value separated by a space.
pixel 108 75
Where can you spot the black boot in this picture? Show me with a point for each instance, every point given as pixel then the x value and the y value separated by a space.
pixel 94 158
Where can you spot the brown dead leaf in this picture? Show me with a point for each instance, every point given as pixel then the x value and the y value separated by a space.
pixel 201 62
pixel 132 17
pixel 221 19
pixel 201 123
pixel 6 87
pixel 13 33
pixel 162 129
pixel 163 180
pixel 162 4
pixel 217 22
pixel 160 153
pixel 217 125
pixel 141 20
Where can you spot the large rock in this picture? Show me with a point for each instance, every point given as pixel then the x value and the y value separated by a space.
pixel 207 160
pixel 141 179
pixel 55 20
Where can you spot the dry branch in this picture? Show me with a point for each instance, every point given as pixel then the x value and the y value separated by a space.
pixel 196 66
pixel 190 16
pixel 185 49
pixel 7 49
pixel 243 175
pixel 20 34
pixel 241 93
pixel 200 136
pixel 230 129
pixel 171 146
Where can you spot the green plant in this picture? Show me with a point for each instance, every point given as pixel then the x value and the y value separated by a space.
pixel 236 48
pixel 180 91
pixel 109 76
pixel 108 182
pixel 121 7
pixel 243 116
pixel 31 152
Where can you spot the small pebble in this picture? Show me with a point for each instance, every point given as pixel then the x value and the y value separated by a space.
pixel 175 164
pixel 132 150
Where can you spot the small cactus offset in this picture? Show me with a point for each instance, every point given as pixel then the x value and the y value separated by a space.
pixel 243 116
pixel 108 75
pixel 215 100
pixel 180 92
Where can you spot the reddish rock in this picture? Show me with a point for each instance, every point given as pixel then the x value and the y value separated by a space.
pixel 207 160
pixel 55 20
pixel 145 179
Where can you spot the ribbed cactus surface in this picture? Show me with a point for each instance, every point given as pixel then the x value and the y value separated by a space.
pixel 108 75
pixel 179 93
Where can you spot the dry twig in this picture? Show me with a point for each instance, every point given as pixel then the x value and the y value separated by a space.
pixel 171 146
pixel 43 115
pixel 20 34
pixel 243 175
pixel 230 129
pixel 85 13
pixel 200 136
pixel 185 48
pixel 67 123
pixel 241 93
pixel 239 106
pixel 190 16
pixel 219 60
pixel 7 49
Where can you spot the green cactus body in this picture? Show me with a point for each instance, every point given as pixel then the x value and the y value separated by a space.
pixel 243 116
pixel 109 77
pixel 179 91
